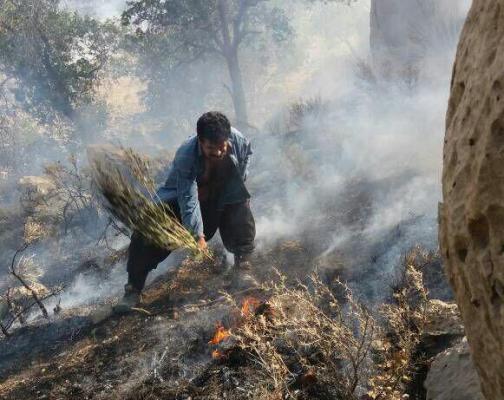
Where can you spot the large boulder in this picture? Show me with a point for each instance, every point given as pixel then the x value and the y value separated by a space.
pixel 452 376
pixel 472 213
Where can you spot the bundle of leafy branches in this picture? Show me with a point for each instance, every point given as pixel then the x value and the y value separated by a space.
pixel 128 194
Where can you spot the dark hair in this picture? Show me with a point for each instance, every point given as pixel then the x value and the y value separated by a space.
pixel 213 126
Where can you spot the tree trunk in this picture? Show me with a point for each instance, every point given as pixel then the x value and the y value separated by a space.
pixel 229 49
pixel 404 32
pixel 57 93
pixel 237 91
pixel 472 215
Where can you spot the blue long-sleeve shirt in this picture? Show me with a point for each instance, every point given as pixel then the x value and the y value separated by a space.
pixel 188 165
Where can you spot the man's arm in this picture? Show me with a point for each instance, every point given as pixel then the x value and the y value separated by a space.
pixel 246 155
pixel 187 197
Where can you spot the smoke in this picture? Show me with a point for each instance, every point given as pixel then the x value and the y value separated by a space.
pixel 94 8
pixel 354 168
pixel 382 130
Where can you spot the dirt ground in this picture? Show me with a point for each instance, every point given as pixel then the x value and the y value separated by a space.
pixel 127 357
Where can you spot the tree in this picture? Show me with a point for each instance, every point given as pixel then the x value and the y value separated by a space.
pixel 404 32
pixel 189 30
pixel 54 55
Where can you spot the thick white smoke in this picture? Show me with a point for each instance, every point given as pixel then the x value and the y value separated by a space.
pixel 361 174
pixel 385 131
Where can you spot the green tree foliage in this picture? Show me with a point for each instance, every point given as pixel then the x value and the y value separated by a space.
pixel 53 55
pixel 178 32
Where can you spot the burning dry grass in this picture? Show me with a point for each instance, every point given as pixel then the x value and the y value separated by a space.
pixel 301 341
pixel 304 341
pixel 122 177
pixel 307 342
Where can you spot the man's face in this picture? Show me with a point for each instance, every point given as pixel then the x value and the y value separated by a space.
pixel 214 150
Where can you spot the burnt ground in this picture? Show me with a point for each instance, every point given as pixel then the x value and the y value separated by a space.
pixel 70 357
pixel 160 351
pixel 73 358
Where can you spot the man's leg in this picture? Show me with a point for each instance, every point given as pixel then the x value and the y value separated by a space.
pixel 237 229
pixel 211 218
pixel 143 257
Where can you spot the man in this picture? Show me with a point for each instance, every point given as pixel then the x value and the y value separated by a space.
pixel 206 190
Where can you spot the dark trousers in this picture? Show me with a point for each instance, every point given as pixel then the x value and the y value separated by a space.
pixel 235 223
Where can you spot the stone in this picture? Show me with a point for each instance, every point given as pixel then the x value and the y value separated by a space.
pixel 472 213
pixel 443 318
pixel 452 376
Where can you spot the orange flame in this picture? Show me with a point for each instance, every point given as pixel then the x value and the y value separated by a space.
pixel 221 334
pixel 249 305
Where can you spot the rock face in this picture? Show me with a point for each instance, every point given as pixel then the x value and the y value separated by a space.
pixel 452 376
pixel 472 215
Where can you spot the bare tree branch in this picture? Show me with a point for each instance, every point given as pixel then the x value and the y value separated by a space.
pixel 24 283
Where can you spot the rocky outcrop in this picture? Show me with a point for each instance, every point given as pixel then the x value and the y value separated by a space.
pixel 443 319
pixel 452 376
pixel 472 213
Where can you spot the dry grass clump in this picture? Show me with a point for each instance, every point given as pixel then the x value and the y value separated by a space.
pixel 24 291
pixel 122 177
pixel 61 200
pixel 404 322
pixel 309 345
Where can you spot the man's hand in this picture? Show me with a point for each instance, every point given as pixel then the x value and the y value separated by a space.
pixel 202 244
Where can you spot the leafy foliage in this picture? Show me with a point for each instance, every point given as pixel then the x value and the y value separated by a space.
pixel 55 56
pixel 176 33
pixel 187 30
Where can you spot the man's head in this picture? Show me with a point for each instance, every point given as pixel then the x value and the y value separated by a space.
pixel 213 130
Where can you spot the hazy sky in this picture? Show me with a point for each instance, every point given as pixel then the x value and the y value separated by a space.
pixel 102 9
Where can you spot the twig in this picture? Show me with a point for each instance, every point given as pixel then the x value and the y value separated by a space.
pixel 4 330
pixel 224 297
pixel 141 310
pixel 19 315
pixel 23 282
pixel 24 310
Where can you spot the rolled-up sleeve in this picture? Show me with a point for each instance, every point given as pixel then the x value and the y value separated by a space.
pixel 245 162
pixel 187 196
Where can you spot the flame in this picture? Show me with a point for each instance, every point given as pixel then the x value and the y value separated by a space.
pixel 221 334
pixel 216 354
pixel 249 305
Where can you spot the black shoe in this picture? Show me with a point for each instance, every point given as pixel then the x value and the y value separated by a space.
pixel 131 299
pixel 242 274
pixel 222 266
